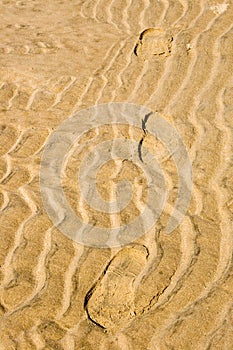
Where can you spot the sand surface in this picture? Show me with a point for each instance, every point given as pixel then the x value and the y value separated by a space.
pixel 162 291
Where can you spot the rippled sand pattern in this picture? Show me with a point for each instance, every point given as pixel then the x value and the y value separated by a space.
pixel 163 291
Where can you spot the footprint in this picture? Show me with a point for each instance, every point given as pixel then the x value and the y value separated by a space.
pixel 154 42
pixel 110 303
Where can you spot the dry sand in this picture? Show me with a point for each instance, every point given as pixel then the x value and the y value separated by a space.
pixel 164 291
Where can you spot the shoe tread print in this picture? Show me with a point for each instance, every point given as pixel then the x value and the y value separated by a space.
pixel 110 302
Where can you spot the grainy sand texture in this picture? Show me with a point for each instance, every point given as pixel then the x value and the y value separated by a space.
pixel 161 292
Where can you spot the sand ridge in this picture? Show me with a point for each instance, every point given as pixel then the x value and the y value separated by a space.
pixel 164 291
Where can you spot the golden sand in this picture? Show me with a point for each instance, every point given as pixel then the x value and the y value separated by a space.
pixel 162 291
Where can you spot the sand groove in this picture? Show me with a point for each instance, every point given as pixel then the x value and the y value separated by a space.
pixel 162 292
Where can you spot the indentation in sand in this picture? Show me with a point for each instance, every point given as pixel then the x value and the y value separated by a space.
pixel 154 42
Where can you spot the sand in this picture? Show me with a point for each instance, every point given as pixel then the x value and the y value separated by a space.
pixel 161 291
